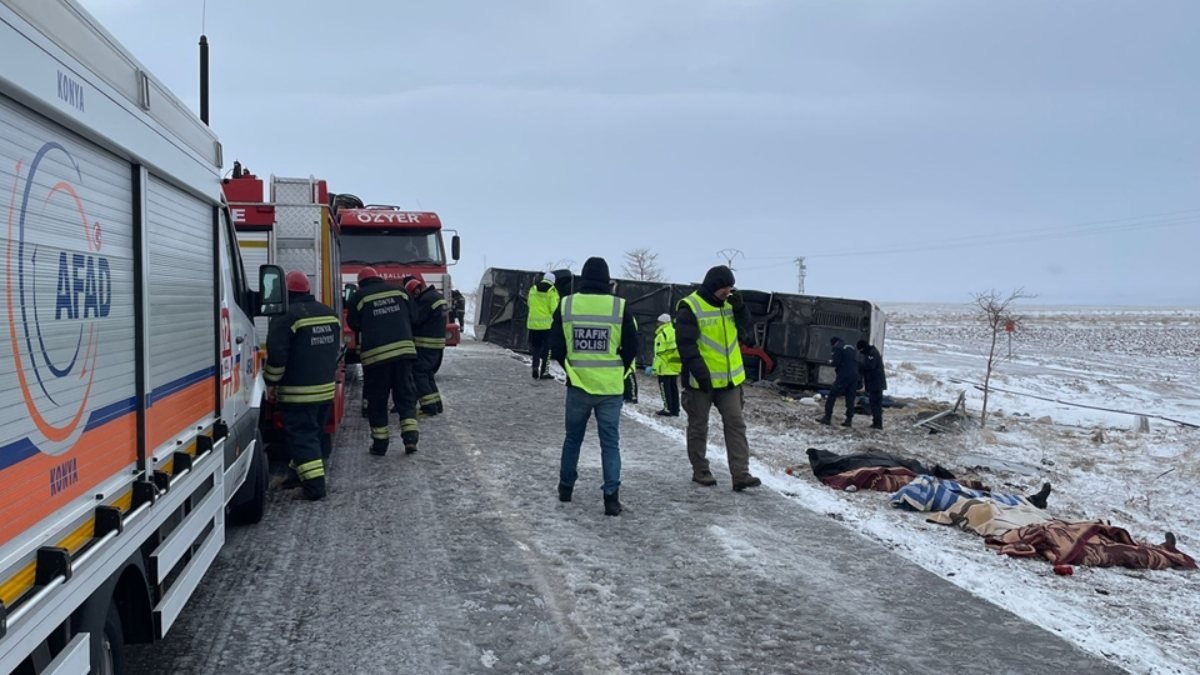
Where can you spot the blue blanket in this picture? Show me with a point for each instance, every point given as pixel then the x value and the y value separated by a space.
pixel 927 493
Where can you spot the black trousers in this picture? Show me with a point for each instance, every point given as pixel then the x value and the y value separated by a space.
pixel 539 349
pixel 841 390
pixel 668 386
pixel 308 444
pixel 875 396
pixel 428 362
pixel 392 379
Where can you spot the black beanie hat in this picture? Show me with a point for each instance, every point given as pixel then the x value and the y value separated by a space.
pixel 718 277
pixel 595 269
pixel 862 345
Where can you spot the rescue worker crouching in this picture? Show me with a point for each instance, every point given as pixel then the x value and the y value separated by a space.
pixel 429 334
pixel 382 314
pixel 302 354
pixel 667 366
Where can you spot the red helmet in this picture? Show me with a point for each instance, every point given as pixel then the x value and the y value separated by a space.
pixel 297 282
pixel 367 273
pixel 414 285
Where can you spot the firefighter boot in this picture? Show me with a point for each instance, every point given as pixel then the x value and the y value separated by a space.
pixel 410 442
pixel 378 448
pixel 612 504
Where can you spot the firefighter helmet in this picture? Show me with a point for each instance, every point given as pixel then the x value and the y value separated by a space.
pixel 367 273
pixel 297 282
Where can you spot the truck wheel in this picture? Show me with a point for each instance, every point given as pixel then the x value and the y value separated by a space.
pixel 112 645
pixel 252 510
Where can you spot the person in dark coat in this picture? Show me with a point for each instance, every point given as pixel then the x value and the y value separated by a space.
pixel 845 363
pixel 874 379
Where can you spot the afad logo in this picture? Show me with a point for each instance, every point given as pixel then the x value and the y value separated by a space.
pixel 59 285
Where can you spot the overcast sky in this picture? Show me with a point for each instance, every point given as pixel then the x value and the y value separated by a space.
pixel 914 151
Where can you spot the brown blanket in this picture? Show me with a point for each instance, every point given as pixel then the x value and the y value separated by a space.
pixel 987 518
pixel 1091 543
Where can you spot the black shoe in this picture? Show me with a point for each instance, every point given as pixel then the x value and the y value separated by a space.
pixel 547 376
pixel 746 481
pixel 564 492
pixel 1039 499
pixel 378 450
pixel 847 423
pixel 410 448
pixel 824 420
pixel 704 478
pixel 876 425
pixel 664 413
pixel 612 504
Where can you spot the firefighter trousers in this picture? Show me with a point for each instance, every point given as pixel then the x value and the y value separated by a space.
pixel 428 363
pixel 391 379
pixel 307 443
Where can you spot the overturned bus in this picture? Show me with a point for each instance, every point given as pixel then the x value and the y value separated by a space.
pixel 790 333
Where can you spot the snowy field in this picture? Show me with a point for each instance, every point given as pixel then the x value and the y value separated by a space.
pixel 1143 361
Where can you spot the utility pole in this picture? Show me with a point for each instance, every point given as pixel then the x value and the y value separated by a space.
pixel 728 255
pixel 801 271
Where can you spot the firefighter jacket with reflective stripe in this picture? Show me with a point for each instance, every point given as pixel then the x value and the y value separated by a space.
pixel 666 354
pixel 592 326
pixel 383 316
pixel 429 328
pixel 302 352
pixel 718 342
pixel 542 304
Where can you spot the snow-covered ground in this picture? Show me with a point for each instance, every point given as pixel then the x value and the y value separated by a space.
pixel 1141 361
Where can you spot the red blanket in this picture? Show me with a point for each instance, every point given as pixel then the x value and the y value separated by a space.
pixel 1091 543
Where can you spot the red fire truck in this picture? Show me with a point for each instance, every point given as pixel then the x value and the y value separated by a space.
pixel 294 230
pixel 397 243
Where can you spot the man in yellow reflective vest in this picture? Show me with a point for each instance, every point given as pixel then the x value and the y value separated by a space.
pixel 707 325
pixel 594 339
pixel 302 354
pixel 542 301
pixel 667 366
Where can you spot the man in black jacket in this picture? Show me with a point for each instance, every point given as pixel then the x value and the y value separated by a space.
pixel 710 326
pixel 874 379
pixel 845 383
pixel 302 355
pixel 429 333
pixel 595 362
pixel 382 314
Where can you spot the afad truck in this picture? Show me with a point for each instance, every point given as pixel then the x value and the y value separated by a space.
pixel 396 243
pixel 294 230
pixel 129 383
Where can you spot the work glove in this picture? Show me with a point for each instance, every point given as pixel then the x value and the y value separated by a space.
pixel 736 301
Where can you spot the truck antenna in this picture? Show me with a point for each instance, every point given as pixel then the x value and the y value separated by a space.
pixel 204 63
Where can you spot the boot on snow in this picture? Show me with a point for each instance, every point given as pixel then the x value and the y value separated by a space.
pixel 1039 499
pixel 612 504
pixel 704 478
pixel 564 492
pixel 746 481
pixel 825 419
pixel 378 449
pixel 877 424
pixel 848 422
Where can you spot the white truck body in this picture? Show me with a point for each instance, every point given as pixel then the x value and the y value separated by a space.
pixel 129 383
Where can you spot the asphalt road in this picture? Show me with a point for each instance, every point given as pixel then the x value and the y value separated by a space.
pixel 460 559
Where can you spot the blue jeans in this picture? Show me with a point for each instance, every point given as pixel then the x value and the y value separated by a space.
pixel 580 405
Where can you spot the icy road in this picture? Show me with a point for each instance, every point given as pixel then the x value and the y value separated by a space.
pixel 461 559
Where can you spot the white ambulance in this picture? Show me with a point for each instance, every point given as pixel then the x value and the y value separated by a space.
pixel 129 366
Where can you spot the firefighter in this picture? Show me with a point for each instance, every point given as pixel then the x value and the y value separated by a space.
pixel 667 366
pixel 845 383
pixel 302 354
pixel 458 305
pixel 382 314
pixel 708 323
pixel 542 301
pixel 874 379
pixel 429 331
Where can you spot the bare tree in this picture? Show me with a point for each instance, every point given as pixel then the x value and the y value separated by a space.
pixel 996 313
pixel 642 264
